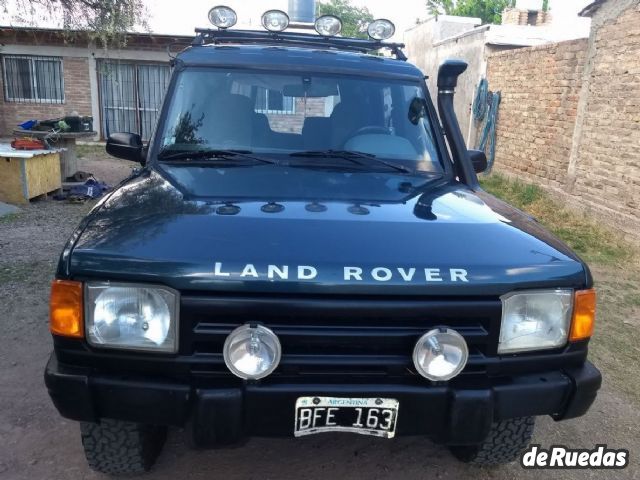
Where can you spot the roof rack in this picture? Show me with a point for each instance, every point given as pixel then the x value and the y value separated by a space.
pixel 205 36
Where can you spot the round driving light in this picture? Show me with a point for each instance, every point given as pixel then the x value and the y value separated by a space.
pixel 275 20
pixel 252 352
pixel 223 17
pixel 328 25
pixel 381 29
pixel 440 354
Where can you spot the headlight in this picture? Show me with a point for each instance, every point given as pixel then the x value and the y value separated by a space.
pixel 223 17
pixel 252 352
pixel 535 320
pixel 381 29
pixel 328 25
pixel 132 317
pixel 275 20
pixel 440 354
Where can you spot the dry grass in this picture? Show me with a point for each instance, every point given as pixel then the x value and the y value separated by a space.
pixel 591 241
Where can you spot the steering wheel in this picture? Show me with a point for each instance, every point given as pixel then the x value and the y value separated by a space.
pixel 372 129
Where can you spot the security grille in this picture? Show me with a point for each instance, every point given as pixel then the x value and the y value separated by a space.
pixel 131 96
pixel 33 79
pixel 348 337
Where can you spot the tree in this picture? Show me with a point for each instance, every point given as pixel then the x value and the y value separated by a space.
pixel 355 20
pixel 490 11
pixel 106 20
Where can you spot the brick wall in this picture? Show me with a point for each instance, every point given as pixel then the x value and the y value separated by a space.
pixel 607 160
pixel 77 92
pixel 570 116
pixel 540 88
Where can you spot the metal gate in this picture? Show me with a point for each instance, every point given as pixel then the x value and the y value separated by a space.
pixel 131 96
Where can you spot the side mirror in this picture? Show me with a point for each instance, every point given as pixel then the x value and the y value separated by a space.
pixel 478 160
pixel 127 146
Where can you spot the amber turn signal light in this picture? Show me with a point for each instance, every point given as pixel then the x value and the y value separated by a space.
pixel 584 315
pixel 65 309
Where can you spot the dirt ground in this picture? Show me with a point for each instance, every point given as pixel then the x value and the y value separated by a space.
pixel 36 443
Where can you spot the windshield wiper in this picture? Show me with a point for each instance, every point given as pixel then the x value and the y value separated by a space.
pixel 210 154
pixel 359 158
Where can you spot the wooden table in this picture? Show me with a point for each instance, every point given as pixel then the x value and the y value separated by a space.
pixel 67 141
pixel 25 174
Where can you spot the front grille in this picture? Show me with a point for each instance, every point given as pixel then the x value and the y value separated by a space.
pixel 336 335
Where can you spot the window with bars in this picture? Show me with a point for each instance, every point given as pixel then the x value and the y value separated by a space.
pixel 273 101
pixel 33 79
pixel 131 96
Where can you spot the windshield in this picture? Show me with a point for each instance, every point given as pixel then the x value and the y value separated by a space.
pixel 297 114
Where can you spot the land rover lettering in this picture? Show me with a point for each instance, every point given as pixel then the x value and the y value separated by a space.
pixel 349 273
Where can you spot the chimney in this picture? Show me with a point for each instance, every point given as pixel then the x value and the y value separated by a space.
pixel 302 11
pixel 514 16
pixel 526 12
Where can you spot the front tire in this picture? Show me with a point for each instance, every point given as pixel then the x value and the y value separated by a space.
pixel 505 443
pixel 121 448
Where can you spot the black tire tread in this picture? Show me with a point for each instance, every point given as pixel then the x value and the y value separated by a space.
pixel 116 447
pixel 505 443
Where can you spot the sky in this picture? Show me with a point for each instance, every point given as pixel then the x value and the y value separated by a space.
pixel 182 16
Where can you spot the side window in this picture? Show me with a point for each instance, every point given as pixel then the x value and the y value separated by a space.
pixel 33 79
pixel 387 100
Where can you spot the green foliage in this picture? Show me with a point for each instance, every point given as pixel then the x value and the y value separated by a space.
pixel 186 129
pixel 439 7
pixel 490 11
pixel 355 20
pixel 106 21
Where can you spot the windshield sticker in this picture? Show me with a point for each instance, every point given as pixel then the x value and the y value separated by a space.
pixel 349 273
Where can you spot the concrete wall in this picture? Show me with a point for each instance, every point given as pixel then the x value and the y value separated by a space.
pixel 428 54
pixel 471 48
pixel 570 116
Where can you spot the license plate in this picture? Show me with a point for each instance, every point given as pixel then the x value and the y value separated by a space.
pixel 366 416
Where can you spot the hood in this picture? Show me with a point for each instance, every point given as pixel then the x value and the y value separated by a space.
pixel 418 237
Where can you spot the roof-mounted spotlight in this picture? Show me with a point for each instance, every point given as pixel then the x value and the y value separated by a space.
pixel 381 29
pixel 223 17
pixel 328 25
pixel 275 20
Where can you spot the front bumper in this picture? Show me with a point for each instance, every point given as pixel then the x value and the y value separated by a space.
pixel 218 416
